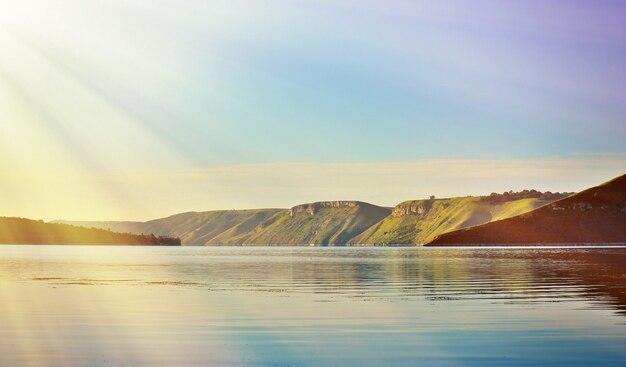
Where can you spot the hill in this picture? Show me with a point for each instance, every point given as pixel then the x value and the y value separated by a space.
pixel 336 222
pixel 419 221
pixel 594 216
pixel 321 223
pixel 220 227
pixel 27 231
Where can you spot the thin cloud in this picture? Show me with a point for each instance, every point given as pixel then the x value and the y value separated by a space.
pixel 165 192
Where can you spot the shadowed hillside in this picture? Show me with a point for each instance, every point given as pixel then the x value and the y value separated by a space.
pixel 26 231
pixel 596 215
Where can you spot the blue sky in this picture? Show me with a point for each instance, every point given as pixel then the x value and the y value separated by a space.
pixel 406 81
pixel 104 88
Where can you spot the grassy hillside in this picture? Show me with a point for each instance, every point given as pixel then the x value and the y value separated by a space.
pixel 419 221
pixel 323 223
pixel 596 215
pixel 26 231
pixel 212 228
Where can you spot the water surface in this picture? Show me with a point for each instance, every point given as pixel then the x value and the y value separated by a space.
pixel 234 306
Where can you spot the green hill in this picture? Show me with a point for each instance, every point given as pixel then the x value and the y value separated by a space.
pixel 27 231
pixel 221 227
pixel 596 215
pixel 321 223
pixel 419 221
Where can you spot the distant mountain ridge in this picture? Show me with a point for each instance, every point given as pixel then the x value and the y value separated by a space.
pixel 337 222
pixel 596 216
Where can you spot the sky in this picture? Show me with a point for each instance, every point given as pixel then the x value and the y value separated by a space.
pixel 133 110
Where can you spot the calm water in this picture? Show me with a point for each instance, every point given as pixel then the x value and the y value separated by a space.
pixel 134 306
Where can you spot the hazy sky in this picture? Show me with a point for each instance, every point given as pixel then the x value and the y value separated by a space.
pixel 140 109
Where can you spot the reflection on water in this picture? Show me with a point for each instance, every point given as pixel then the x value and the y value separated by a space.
pixel 128 306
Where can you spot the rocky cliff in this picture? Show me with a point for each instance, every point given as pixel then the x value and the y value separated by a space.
pixel 416 207
pixel 313 208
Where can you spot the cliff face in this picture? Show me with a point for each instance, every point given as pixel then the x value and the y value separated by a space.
pixel 313 208
pixel 417 207
pixel 596 215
